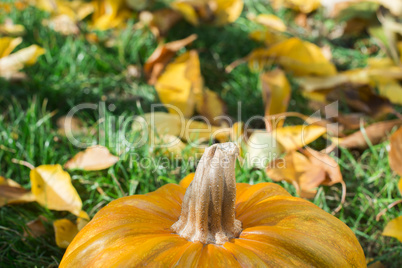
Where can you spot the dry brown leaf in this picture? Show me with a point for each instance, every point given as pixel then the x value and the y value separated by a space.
pixel 65 231
pixel 52 188
pixel 35 228
pixel 306 171
pixel 93 158
pixel 12 193
pixel 156 63
pixel 375 133
pixel 66 124
pixel 180 83
pixel 362 99
pixel 395 153
pixel 276 93
pixel 159 21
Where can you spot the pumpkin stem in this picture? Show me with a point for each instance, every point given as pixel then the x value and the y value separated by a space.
pixel 208 209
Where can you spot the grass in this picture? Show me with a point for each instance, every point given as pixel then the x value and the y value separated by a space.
pixel 74 71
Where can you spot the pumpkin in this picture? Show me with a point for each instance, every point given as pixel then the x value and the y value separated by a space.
pixel 214 223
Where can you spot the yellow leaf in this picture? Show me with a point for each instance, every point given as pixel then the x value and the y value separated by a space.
pixel 52 188
pixel 210 105
pixel 110 14
pixel 159 21
pixel 8 44
pixel 275 93
pixel 305 6
pixel 271 21
pixel 216 12
pixel 296 137
pixel 294 55
pixel 9 28
pixel 394 228
pixel 165 124
pixel 93 158
pixel 14 62
pixel 12 193
pixel 65 231
pixel 162 55
pixel 267 36
pixel 262 148
pixel 180 82
pixel 82 220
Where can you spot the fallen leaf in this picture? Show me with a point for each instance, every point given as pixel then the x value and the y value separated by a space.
pixel 267 36
pixel 82 220
pixel 52 188
pixel 8 44
pixel 276 92
pixel 11 64
pixel 65 231
pixel 93 158
pixel 305 6
pixel 160 124
pixel 215 12
pixel 9 28
pixel 270 21
pixel 67 124
pixel 362 99
pixel 162 55
pixel 294 55
pixel 110 14
pixel 159 21
pixel 179 84
pixel 394 228
pixel 138 4
pixel 375 133
pixel 35 228
pixel 62 24
pixel 296 137
pixel 12 193
pixel 395 153
pixel 210 105
pixel 262 148
pixel 306 171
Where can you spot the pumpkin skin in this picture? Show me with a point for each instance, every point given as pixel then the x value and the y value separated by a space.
pixel 278 230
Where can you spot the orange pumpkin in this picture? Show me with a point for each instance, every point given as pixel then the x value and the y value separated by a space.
pixel 215 223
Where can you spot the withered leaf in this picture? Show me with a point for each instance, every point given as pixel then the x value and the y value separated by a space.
pixel 52 188
pixel 375 133
pixel 93 158
pixel 162 55
pixel 395 153
pixel 65 231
